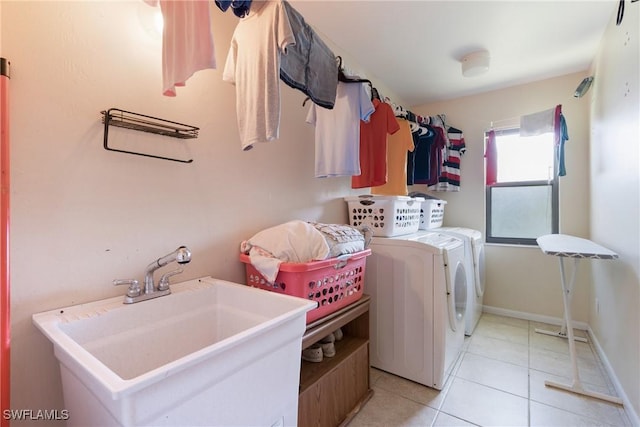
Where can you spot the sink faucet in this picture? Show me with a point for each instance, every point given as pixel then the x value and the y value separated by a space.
pixel 182 255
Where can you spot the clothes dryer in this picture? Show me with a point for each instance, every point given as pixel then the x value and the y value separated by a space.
pixel 418 290
pixel 474 264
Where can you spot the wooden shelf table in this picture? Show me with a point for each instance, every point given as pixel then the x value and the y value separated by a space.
pixel 333 391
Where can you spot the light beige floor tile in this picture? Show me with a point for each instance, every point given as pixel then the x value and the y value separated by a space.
pixel 457 364
pixel 548 416
pixel 375 374
pixel 467 340
pixel 625 418
pixel 502 331
pixel 446 420
pixel 506 351
pixel 488 380
pixel 559 345
pixel 411 390
pixel 503 376
pixel 560 364
pixel 485 406
pixel 503 320
pixel 585 406
pixel 388 409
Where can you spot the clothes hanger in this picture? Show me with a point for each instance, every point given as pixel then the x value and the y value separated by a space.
pixel 375 94
pixel 343 78
pixel 421 130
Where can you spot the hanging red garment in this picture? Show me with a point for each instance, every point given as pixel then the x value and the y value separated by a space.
pixel 556 124
pixel 491 156
pixel 373 146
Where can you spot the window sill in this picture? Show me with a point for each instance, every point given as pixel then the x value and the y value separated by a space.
pixel 512 245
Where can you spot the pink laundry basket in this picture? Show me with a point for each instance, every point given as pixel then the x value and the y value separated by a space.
pixel 333 283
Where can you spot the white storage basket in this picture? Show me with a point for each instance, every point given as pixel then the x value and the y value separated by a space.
pixel 432 214
pixel 388 216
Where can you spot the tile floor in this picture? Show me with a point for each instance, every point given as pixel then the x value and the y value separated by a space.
pixel 499 381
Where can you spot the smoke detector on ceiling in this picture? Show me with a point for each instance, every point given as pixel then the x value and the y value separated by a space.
pixel 475 63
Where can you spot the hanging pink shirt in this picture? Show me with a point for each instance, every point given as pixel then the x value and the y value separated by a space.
pixel 187 42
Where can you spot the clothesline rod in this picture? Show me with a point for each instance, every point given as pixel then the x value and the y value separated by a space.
pixel 504 124
pixel 344 74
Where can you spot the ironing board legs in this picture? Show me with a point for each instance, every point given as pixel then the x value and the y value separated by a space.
pixel 562 333
pixel 576 385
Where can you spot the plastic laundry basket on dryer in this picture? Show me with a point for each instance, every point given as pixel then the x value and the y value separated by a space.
pixel 418 290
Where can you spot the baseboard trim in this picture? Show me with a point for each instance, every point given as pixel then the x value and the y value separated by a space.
pixel 533 317
pixel 628 406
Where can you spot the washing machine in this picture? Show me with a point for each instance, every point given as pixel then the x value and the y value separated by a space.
pixel 418 290
pixel 474 264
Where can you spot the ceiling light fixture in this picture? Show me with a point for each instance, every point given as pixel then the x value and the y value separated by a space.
pixel 475 63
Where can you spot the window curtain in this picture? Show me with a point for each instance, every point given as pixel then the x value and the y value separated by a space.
pixel 561 135
pixel 551 120
pixel 491 158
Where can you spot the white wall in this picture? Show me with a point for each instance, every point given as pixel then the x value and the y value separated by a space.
pixel 521 278
pixel 615 199
pixel 599 198
pixel 82 216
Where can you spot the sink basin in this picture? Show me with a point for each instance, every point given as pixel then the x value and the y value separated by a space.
pixel 207 354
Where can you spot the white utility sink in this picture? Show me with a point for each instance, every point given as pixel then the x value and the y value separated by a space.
pixel 210 353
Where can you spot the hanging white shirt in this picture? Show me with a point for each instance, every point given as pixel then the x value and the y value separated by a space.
pixel 253 66
pixel 337 132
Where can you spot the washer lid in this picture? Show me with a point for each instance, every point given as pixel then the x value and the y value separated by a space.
pixel 438 240
pixel 463 232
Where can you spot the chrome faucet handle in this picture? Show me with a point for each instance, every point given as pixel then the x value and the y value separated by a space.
pixel 134 286
pixel 163 284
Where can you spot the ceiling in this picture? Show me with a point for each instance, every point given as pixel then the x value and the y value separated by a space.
pixel 414 47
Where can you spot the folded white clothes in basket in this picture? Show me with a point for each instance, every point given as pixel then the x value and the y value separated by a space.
pixel 344 239
pixel 299 241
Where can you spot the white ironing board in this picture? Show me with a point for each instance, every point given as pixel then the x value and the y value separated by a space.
pixel 578 250
pixel 565 246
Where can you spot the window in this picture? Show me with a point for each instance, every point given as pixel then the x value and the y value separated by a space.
pixel 522 192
